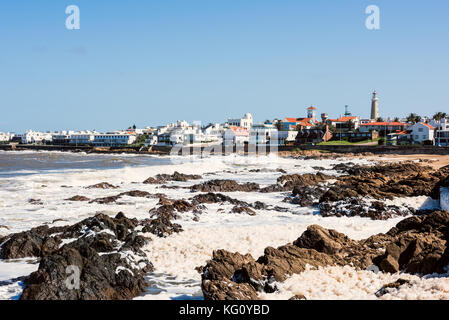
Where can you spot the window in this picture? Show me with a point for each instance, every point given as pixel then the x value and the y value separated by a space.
pixel 420 130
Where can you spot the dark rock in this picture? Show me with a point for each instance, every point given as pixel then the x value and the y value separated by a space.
pixel 35 202
pixel 246 210
pixel 163 178
pixel 78 198
pixel 394 285
pixel 216 198
pixel 358 207
pixel 225 186
pixel 118 273
pixel 162 227
pixel 298 297
pixel 102 185
pixel 417 245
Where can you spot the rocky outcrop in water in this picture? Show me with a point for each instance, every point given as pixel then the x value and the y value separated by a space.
pixel 416 245
pixel 224 186
pixel 376 210
pixel 133 193
pixel 291 181
pixel 36 242
pixel 102 185
pixel 176 176
pixel 208 198
pixel 387 181
pixel 78 198
pixel 103 262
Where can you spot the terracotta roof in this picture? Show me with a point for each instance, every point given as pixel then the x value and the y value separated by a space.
pixel 384 124
pixel 343 119
pixel 239 131
pixel 311 108
pixel 428 125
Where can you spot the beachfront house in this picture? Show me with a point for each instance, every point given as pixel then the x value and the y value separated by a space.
pixel 422 133
pixel 313 136
pixel 6 137
pixel 113 139
pixel 246 122
pixel 263 133
pixel 345 123
pixel 441 132
pixel 235 136
pixel 31 137
pixel 384 128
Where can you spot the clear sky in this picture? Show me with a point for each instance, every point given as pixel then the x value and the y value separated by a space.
pixel 153 62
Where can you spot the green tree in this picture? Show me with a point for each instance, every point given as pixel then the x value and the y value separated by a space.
pixel 439 115
pixel 396 119
pixel 350 124
pixel 279 125
pixel 380 119
pixel 413 118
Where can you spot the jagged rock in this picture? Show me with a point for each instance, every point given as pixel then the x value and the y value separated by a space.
pixel 394 285
pixel 291 181
pixel 176 176
pixel 106 200
pixel 170 208
pixel 35 202
pixel 298 297
pixel 162 227
pixel 33 243
pixel 246 210
pixel 375 210
pixel 78 198
pixel 308 179
pixel 216 198
pixel 102 185
pixel 136 193
pixel 307 196
pixel 111 264
pixel 225 186
pixel 387 181
pixel 416 245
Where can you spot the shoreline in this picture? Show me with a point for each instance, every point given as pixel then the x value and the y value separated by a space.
pixel 373 153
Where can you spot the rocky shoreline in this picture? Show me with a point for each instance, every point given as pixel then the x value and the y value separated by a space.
pixel 417 245
pixel 109 251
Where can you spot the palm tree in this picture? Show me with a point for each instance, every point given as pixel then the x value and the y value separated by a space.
pixel 439 115
pixel 413 118
pixel 350 125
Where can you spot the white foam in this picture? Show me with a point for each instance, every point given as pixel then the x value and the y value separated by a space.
pixel 338 283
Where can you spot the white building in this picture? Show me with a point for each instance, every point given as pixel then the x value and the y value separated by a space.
pixel 113 140
pixel 6 137
pixel 441 132
pixel 286 137
pixel 31 137
pixel 421 132
pixel 235 136
pixel 263 133
pixel 343 122
pixel 245 122
pixel 82 137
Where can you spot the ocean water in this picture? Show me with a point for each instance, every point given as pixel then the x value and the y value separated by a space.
pixel 52 177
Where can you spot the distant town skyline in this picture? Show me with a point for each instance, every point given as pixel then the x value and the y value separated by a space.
pixel 157 62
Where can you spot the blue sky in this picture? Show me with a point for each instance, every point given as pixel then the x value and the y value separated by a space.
pixel 152 62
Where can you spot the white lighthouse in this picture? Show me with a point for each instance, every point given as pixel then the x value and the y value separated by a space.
pixel 374 107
